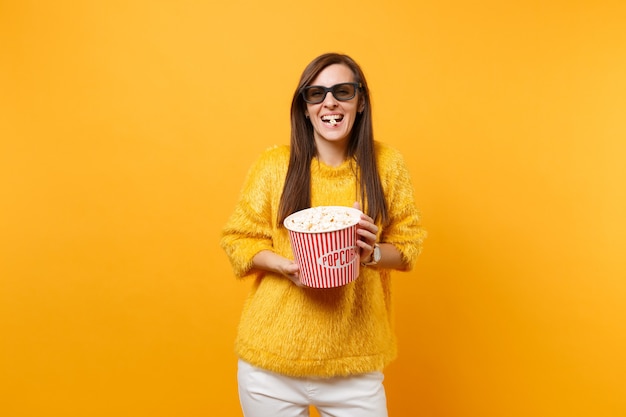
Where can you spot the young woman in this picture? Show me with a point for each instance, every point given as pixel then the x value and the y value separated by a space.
pixel 301 346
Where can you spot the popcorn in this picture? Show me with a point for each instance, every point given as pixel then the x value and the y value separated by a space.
pixel 322 219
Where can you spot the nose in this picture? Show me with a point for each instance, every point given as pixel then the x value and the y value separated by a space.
pixel 330 100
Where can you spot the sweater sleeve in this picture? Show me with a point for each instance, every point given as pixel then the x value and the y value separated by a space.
pixel 404 227
pixel 249 229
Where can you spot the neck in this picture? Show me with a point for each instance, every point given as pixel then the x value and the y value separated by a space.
pixel 331 153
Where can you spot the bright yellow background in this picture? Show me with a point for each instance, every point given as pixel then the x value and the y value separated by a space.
pixel 126 130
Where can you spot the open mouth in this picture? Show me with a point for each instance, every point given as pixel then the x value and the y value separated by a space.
pixel 332 119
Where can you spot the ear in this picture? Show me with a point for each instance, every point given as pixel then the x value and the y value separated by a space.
pixel 361 105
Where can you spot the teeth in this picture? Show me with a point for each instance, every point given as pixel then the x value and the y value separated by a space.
pixel 332 118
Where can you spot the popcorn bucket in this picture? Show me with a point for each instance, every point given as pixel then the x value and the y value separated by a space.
pixel 323 240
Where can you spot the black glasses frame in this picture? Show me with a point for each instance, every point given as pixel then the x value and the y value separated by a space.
pixel 357 87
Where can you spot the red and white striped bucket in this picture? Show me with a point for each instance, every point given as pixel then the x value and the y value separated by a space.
pixel 327 258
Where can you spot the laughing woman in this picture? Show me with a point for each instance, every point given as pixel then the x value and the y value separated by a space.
pixel 301 346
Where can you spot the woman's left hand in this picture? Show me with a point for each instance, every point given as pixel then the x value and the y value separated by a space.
pixel 367 231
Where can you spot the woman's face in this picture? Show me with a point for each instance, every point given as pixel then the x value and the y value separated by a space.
pixel 333 119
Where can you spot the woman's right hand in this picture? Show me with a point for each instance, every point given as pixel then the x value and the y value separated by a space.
pixel 291 270
pixel 270 261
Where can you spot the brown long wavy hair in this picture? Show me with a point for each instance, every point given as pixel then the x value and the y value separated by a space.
pixel 296 193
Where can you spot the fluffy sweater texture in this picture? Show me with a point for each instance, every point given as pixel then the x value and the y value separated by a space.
pixel 300 331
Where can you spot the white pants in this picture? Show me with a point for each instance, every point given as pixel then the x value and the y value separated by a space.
pixel 266 394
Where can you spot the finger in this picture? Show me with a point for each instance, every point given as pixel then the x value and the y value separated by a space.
pixel 366 246
pixel 295 278
pixel 291 267
pixel 366 218
pixel 367 228
pixel 367 235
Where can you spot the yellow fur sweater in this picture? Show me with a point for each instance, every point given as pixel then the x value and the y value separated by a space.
pixel 317 332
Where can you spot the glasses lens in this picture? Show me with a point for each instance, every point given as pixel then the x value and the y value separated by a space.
pixel 314 94
pixel 344 91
